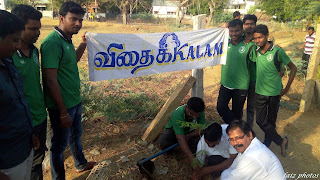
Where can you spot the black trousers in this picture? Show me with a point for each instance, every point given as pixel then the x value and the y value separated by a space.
pixel 215 160
pixel 41 132
pixel 238 98
pixel 168 138
pixel 250 103
pixel 267 110
pixel 305 62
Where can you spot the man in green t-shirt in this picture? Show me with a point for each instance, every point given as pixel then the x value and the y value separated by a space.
pixel 62 89
pixel 249 23
pixel 26 60
pixel 269 86
pixel 234 75
pixel 192 112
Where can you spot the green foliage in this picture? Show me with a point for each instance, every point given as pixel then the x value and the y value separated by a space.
pixel 115 102
pixel 194 126
pixel 199 7
pixel 196 162
pixel 222 17
pixel 200 127
pixel 143 16
pixel 287 10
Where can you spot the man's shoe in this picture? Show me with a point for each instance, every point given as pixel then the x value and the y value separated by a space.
pixel 88 166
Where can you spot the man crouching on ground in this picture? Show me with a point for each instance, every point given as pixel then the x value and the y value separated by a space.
pixel 192 112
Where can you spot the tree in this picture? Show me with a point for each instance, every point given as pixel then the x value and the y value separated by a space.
pixel 180 10
pixel 291 9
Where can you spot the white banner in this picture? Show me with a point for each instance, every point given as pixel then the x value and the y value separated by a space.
pixel 114 56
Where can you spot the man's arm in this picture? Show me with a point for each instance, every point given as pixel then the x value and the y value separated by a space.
pixel 183 143
pixel 293 70
pixel 54 89
pixel 302 46
pixel 81 47
pixel 216 168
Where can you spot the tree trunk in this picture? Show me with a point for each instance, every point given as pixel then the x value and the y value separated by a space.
pixel 179 10
pixel 212 7
pixel 124 9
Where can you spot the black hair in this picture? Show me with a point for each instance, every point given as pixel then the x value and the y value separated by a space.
pixel 213 132
pixel 311 28
pixel 70 7
pixel 196 104
pixel 26 12
pixel 236 22
pixel 9 24
pixel 244 126
pixel 250 17
pixel 235 14
pixel 261 28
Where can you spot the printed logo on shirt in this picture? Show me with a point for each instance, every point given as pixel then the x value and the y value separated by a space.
pixel 22 61
pixel 67 47
pixel 269 57
pixel 35 59
pixel 242 49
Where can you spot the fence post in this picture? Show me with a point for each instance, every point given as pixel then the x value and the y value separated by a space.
pixel 199 22
pixel 310 85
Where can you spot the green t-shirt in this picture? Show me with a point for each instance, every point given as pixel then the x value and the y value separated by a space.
pixel 58 52
pixel 252 65
pixel 179 115
pixel 29 69
pixel 268 80
pixel 235 73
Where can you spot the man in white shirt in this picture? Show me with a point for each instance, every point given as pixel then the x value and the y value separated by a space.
pixel 308 48
pixel 254 161
pixel 214 146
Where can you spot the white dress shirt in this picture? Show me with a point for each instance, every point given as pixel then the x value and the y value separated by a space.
pixel 224 148
pixel 257 162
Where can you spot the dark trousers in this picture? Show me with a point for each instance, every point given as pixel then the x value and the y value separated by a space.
pixel 305 62
pixel 250 103
pixel 41 132
pixel 61 137
pixel 168 138
pixel 238 98
pixel 267 109
pixel 215 160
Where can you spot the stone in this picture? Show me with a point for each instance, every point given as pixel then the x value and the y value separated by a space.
pixel 124 159
pixel 95 152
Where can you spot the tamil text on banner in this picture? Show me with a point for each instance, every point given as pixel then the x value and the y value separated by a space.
pixel 114 56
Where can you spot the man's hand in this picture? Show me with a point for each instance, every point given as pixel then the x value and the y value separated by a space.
pixel 284 91
pixel 35 142
pixel 65 121
pixel 84 39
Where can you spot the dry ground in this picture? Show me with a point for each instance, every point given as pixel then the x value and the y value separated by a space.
pixel 113 139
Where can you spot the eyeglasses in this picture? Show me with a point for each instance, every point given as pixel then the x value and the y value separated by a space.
pixel 236 138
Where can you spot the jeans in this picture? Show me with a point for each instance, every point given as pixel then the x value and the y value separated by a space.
pixel 41 132
pixel 238 97
pixel 267 109
pixel 250 103
pixel 61 137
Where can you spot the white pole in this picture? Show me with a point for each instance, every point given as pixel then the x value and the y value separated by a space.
pixel 199 22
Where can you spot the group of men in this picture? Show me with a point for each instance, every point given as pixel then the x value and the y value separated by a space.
pixel 23 103
pixel 253 72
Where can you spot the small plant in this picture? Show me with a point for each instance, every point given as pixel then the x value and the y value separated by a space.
pixel 196 162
